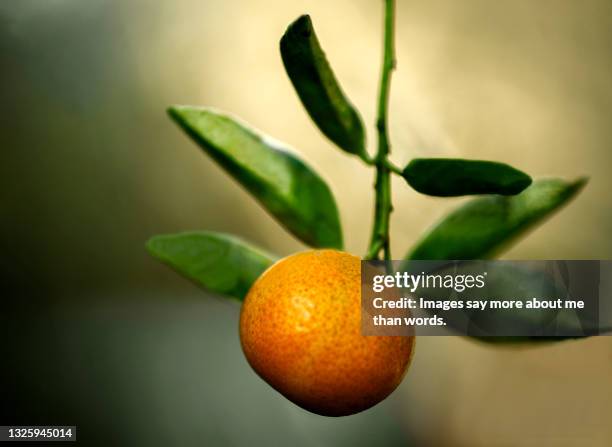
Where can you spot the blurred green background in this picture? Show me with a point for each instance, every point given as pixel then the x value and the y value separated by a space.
pixel 97 334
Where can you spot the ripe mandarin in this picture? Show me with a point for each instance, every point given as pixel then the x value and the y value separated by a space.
pixel 300 329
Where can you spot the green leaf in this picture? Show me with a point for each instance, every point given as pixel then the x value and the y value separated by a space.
pixel 286 187
pixel 219 262
pixel 447 177
pixel 521 282
pixel 483 226
pixel 318 88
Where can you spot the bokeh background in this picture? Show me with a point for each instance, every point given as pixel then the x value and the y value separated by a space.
pixel 94 333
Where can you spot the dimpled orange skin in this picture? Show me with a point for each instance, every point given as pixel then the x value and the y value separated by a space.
pixel 300 329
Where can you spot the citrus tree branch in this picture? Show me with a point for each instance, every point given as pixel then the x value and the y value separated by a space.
pixel 382 208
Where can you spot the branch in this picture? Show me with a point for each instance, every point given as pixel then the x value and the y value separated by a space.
pixel 382 208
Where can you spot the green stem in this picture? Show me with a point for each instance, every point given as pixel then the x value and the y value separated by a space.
pixel 382 208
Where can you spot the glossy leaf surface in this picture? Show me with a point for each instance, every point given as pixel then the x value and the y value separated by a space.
pixel 318 89
pixel 287 188
pixel 448 177
pixel 483 226
pixel 218 262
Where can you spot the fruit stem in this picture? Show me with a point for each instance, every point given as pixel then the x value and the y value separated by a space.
pixel 382 208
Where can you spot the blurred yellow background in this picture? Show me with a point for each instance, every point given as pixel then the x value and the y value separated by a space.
pixel 91 167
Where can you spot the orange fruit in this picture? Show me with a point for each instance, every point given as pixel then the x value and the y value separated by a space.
pixel 300 330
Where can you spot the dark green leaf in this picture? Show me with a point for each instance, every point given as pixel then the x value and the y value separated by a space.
pixel 218 262
pixel 447 177
pixel 522 282
pixel 318 88
pixel 483 226
pixel 286 187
